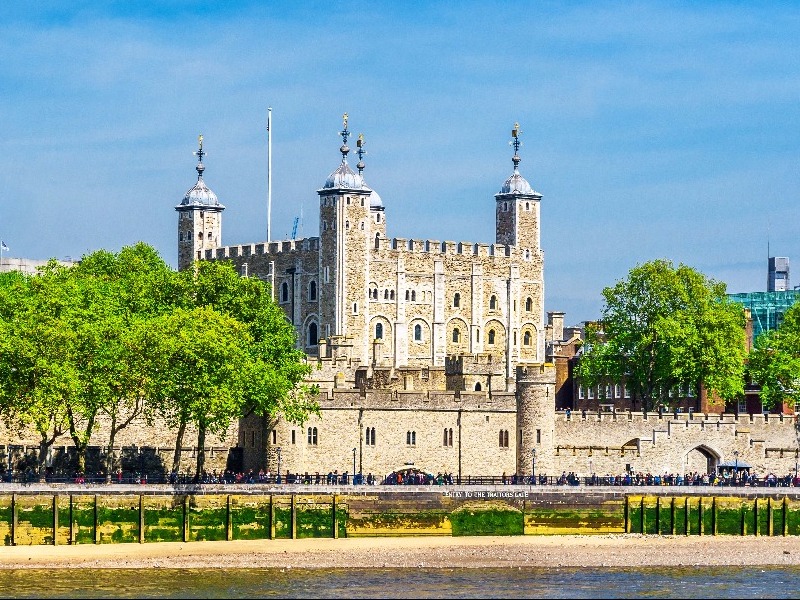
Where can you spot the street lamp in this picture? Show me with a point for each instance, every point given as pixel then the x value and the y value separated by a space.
pixel 736 467
pixel 354 465
pixel 278 477
pixel 533 465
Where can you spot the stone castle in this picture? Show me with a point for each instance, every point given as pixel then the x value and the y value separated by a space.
pixel 432 353
pixel 436 353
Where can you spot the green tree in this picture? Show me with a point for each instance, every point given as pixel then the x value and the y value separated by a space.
pixel 665 327
pixel 199 363
pixel 774 361
pixel 277 369
pixel 39 369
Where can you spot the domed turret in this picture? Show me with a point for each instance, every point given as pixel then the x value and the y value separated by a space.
pixel 200 194
pixel 344 177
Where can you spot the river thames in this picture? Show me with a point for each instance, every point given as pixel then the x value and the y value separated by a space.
pixel 669 582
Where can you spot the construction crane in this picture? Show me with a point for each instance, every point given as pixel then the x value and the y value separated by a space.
pixel 294 227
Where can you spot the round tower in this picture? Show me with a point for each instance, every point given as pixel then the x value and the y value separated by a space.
pixel 536 384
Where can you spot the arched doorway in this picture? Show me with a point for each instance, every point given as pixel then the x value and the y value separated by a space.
pixel 701 459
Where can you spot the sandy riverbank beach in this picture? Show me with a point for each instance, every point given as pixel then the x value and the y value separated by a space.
pixel 433 552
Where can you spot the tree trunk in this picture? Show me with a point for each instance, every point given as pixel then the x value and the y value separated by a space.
pixel 41 460
pixel 201 452
pixel 110 450
pixel 176 460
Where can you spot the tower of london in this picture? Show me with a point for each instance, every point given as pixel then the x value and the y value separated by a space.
pixel 436 352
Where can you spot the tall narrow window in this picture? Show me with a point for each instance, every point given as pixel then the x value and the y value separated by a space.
pixel 456 335
pixel 313 334
pixel 284 292
pixel 491 336
pixel 528 304
pixel 379 331
pixel 417 333
pixel 493 303
pixel 413 295
pixel 457 300
pixel 526 339
pixel 274 436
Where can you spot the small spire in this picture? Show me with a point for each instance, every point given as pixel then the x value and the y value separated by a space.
pixel 200 154
pixel 515 133
pixel 345 134
pixel 361 152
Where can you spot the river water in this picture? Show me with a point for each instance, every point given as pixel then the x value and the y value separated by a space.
pixel 672 582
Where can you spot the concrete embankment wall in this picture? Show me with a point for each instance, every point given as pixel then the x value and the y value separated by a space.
pixel 137 514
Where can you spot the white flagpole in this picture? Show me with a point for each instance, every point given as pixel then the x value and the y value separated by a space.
pixel 269 175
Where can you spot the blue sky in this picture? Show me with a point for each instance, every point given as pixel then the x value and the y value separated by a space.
pixel 652 129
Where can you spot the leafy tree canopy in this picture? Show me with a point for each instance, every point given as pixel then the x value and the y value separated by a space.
pixel 665 327
pixel 774 362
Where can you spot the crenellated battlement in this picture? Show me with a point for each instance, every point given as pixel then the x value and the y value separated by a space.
pixel 417 400
pixel 264 249
pixel 686 419
pixel 438 247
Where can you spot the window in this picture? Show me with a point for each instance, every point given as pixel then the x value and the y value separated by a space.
pixel 447 437
pixel 391 295
pixel 377 241
pixel 505 206
pixel 538 436
pixel 608 391
pixel 312 291
pixel 741 406
pixel 313 334
pixel 515 338
pixel 617 391
pixel 347 225
pixel 417 333
pixel 200 235
pixel 626 392
pixel 581 393
pixel 378 218
pixel 591 393
pixel 527 206
pixel 528 304
pixel 274 436
pixel 493 303
pixel 526 339
pixel 504 438
pixel 293 435
pixel 491 337
pixel 370 436
pixel 379 331
pixel 362 225
pixel 312 436
pixel 355 308
pixel 327 273
pixel 457 300
pixel 413 295
pixel 478 386
pixel 408 295
pixel 411 438
pixel 284 292
pixel 385 294
pixel 456 335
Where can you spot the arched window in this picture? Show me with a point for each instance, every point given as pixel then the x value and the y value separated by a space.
pixel 408 295
pixel 377 241
pixel 491 336
pixel 312 436
pixel 200 235
pixel 457 300
pixel 527 206
pixel 284 292
pixel 478 386
pixel 528 304
pixel 208 235
pixel 312 291
pixel 379 331
pixel 417 332
pixel 378 218
pixel 413 295
pixel 313 334
pixel 493 303
pixel 526 339
pixel 527 254
pixel 385 294
pixel 456 335
pixel 347 225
